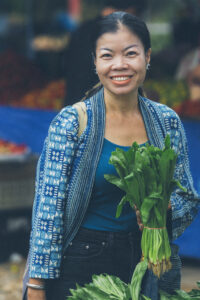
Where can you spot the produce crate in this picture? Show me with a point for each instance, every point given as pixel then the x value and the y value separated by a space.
pixel 17 184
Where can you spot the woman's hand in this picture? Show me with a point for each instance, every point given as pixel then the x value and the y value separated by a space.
pixel 34 294
pixel 138 215
pixel 169 205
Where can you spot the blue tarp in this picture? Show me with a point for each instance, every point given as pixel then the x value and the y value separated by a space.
pixel 189 242
pixel 26 126
pixel 30 127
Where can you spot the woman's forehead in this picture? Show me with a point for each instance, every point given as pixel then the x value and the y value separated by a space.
pixel 123 37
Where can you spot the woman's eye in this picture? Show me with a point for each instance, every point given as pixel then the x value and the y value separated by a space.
pixel 106 55
pixel 131 53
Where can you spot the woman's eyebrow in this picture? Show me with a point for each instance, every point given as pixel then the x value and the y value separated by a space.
pixel 106 49
pixel 128 47
pixel 131 46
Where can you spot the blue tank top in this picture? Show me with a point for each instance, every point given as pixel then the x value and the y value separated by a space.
pixel 105 198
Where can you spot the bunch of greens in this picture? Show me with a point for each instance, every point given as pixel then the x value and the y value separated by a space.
pixel 102 287
pixel 146 175
pixel 106 287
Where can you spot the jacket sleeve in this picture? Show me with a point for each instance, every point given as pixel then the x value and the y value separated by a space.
pixel 53 172
pixel 184 204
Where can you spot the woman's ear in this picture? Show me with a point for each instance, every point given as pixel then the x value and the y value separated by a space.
pixel 148 56
pixel 94 59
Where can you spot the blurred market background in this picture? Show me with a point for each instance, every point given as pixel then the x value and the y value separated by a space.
pixel 34 39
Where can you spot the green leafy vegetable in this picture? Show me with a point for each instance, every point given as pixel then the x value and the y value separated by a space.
pixel 135 286
pixel 102 287
pixel 105 287
pixel 146 175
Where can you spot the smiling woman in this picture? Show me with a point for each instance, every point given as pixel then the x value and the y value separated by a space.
pixel 75 233
pixel 121 50
pixel 121 62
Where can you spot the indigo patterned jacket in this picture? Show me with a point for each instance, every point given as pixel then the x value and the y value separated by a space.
pixel 66 171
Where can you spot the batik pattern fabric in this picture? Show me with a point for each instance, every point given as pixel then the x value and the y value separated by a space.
pixel 162 120
pixel 184 204
pixel 51 181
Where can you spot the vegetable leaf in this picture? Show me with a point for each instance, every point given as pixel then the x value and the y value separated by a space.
pixel 112 286
pixel 135 286
pixel 120 206
pixel 116 181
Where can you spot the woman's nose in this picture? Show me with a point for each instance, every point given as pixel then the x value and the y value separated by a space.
pixel 119 63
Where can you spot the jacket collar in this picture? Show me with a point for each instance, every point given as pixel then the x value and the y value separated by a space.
pixel 153 120
pixel 81 184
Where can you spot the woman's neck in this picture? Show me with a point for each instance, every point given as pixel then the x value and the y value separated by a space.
pixel 122 104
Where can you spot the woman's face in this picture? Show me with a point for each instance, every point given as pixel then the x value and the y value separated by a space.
pixel 121 61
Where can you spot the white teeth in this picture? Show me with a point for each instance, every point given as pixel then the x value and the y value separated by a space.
pixel 120 78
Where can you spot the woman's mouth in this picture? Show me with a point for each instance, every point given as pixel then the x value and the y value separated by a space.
pixel 119 80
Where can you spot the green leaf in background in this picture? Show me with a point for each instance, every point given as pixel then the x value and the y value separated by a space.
pixel 87 292
pixel 143 297
pixel 106 287
pixel 102 287
pixel 112 286
pixel 194 293
pixel 164 296
pixel 183 295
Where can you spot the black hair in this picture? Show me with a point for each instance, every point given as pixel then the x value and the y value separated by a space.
pixel 111 23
